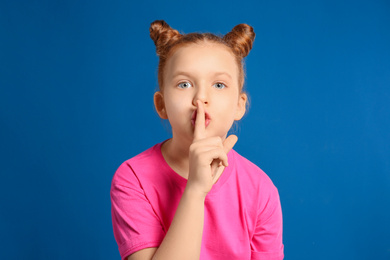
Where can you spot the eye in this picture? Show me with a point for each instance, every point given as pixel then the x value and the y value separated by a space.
pixel 219 85
pixel 185 85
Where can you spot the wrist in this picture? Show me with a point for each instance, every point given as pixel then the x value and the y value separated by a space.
pixel 194 193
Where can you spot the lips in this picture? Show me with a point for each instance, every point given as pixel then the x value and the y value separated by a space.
pixel 206 119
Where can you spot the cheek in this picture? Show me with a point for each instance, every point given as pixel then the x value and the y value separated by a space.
pixel 177 103
pixel 231 100
pixel 227 108
pixel 176 106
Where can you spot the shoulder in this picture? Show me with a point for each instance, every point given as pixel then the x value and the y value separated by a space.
pixel 250 171
pixel 129 170
pixel 259 188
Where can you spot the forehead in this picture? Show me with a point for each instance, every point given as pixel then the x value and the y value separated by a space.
pixel 202 58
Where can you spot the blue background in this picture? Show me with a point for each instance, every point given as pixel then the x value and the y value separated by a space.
pixel 76 86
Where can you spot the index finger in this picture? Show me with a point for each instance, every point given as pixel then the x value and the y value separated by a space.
pixel 200 128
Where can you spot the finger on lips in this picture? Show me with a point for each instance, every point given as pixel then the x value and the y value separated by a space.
pixel 212 143
pixel 199 121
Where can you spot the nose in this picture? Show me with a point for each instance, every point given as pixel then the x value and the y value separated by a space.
pixel 200 94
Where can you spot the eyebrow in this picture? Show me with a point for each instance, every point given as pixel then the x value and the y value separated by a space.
pixel 183 73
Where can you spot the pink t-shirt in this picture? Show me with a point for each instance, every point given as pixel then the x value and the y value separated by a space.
pixel 243 218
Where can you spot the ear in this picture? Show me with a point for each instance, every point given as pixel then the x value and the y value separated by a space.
pixel 241 106
pixel 159 105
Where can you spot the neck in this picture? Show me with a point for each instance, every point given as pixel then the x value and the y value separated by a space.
pixel 176 154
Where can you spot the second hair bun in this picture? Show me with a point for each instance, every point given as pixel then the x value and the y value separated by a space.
pixel 240 39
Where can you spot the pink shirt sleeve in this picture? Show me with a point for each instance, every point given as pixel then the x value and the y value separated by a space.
pixel 135 224
pixel 267 238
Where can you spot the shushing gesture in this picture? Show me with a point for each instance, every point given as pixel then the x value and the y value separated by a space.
pixel 208 155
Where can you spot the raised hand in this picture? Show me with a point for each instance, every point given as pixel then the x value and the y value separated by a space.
pixel 208 155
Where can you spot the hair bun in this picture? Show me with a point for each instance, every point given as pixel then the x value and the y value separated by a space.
pixel 163 36
pixel 241 39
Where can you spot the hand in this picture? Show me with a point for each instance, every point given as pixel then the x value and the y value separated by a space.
pixel 208 156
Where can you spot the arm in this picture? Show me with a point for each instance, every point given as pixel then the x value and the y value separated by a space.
pixel 208 157
pixel 184 237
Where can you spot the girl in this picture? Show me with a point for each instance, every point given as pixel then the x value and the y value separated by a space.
pixel 192 196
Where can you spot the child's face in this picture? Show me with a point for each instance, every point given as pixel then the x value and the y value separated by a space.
pixel 207 72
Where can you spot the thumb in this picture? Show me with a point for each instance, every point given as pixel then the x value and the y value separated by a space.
pixel 229 142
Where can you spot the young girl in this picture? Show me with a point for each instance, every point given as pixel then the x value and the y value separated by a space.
pixel 192 196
